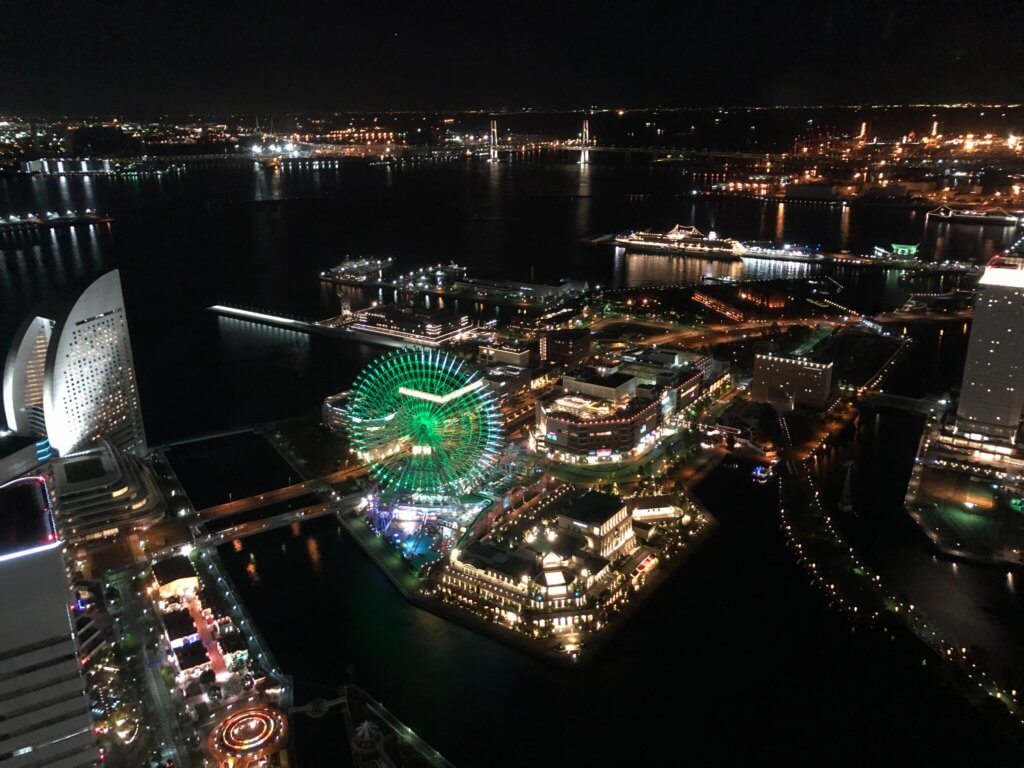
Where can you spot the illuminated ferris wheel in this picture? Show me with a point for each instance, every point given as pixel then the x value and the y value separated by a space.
pixel 424 422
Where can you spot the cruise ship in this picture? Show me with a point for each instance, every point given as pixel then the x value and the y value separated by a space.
pixel 973 215
pixel 683 240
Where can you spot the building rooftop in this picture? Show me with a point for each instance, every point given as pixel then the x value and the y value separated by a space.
pixel 511 563
pixel 191 655
pixel 231 642
pixel 591 376
pixel 25 518
pixel 570 546
pixel 583 407
pixel 399 313
pixel 83 469
pixel 569 334
pixel 179 624
pixel 650 502
pixel 1004 272
pixel 593 508
pixel 173 568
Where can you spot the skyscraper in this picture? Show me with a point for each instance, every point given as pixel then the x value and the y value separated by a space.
pixel 992 394
pixel 44 710
pixel 71 378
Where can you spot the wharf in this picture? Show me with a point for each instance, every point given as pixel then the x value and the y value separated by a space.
pixel 440 292
pixel 323 328
pixel 32 223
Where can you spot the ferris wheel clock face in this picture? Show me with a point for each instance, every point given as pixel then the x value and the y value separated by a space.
pixel 424 423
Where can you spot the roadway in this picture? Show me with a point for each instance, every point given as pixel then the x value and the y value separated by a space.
pixel 914 404
pixel 922 317
pixel 718 333
pixel 160 705
pixel 280 494
pixel 242 530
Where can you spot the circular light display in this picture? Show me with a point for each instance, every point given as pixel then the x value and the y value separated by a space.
pixel 424 422
pixel 249 733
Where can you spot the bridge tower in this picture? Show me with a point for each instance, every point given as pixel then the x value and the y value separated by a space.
pixel 585 152
pixel 493 154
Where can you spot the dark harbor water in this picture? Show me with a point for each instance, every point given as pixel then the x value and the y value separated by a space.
pixel 977 605
pixel 735 658
pixel 214 234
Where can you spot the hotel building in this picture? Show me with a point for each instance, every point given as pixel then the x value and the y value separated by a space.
pixel 802 382
pixel 102 492
pixel 71 379
pixel 971 467
pixel 569 346
pixel 992 394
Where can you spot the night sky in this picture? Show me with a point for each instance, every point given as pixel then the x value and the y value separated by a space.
pixel 157 56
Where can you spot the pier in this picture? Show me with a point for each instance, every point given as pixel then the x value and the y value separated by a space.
pixel 329 327
pixel 34 222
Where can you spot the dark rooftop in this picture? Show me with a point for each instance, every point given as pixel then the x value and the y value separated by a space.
pixel 191 655
pixel 25 519
pixel 179 624
pixel 173 568
pixel 591 376
pixel 569 333
pixel 512 563
pixel 83 469
pixel 593 508
pixel 231 642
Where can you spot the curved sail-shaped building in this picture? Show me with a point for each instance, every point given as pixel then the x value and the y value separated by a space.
pixel 71 378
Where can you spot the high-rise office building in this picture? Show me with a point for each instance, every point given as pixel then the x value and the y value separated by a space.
pixel 71 377
pixel 992 394
pixel 44 709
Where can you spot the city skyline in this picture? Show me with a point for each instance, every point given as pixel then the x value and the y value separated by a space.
pixel 363 404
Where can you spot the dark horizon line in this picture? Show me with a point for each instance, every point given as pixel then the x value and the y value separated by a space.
pixel 510 111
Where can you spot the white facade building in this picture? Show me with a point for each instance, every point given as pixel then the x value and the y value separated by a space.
pixel 992 394
pixel 72 379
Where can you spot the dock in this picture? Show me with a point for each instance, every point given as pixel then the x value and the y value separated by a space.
pixel 329 327
pixel 33 222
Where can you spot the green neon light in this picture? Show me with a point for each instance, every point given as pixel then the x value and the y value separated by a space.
pixel 424 422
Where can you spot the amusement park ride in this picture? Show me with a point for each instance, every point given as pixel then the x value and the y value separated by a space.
pixel 430 431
